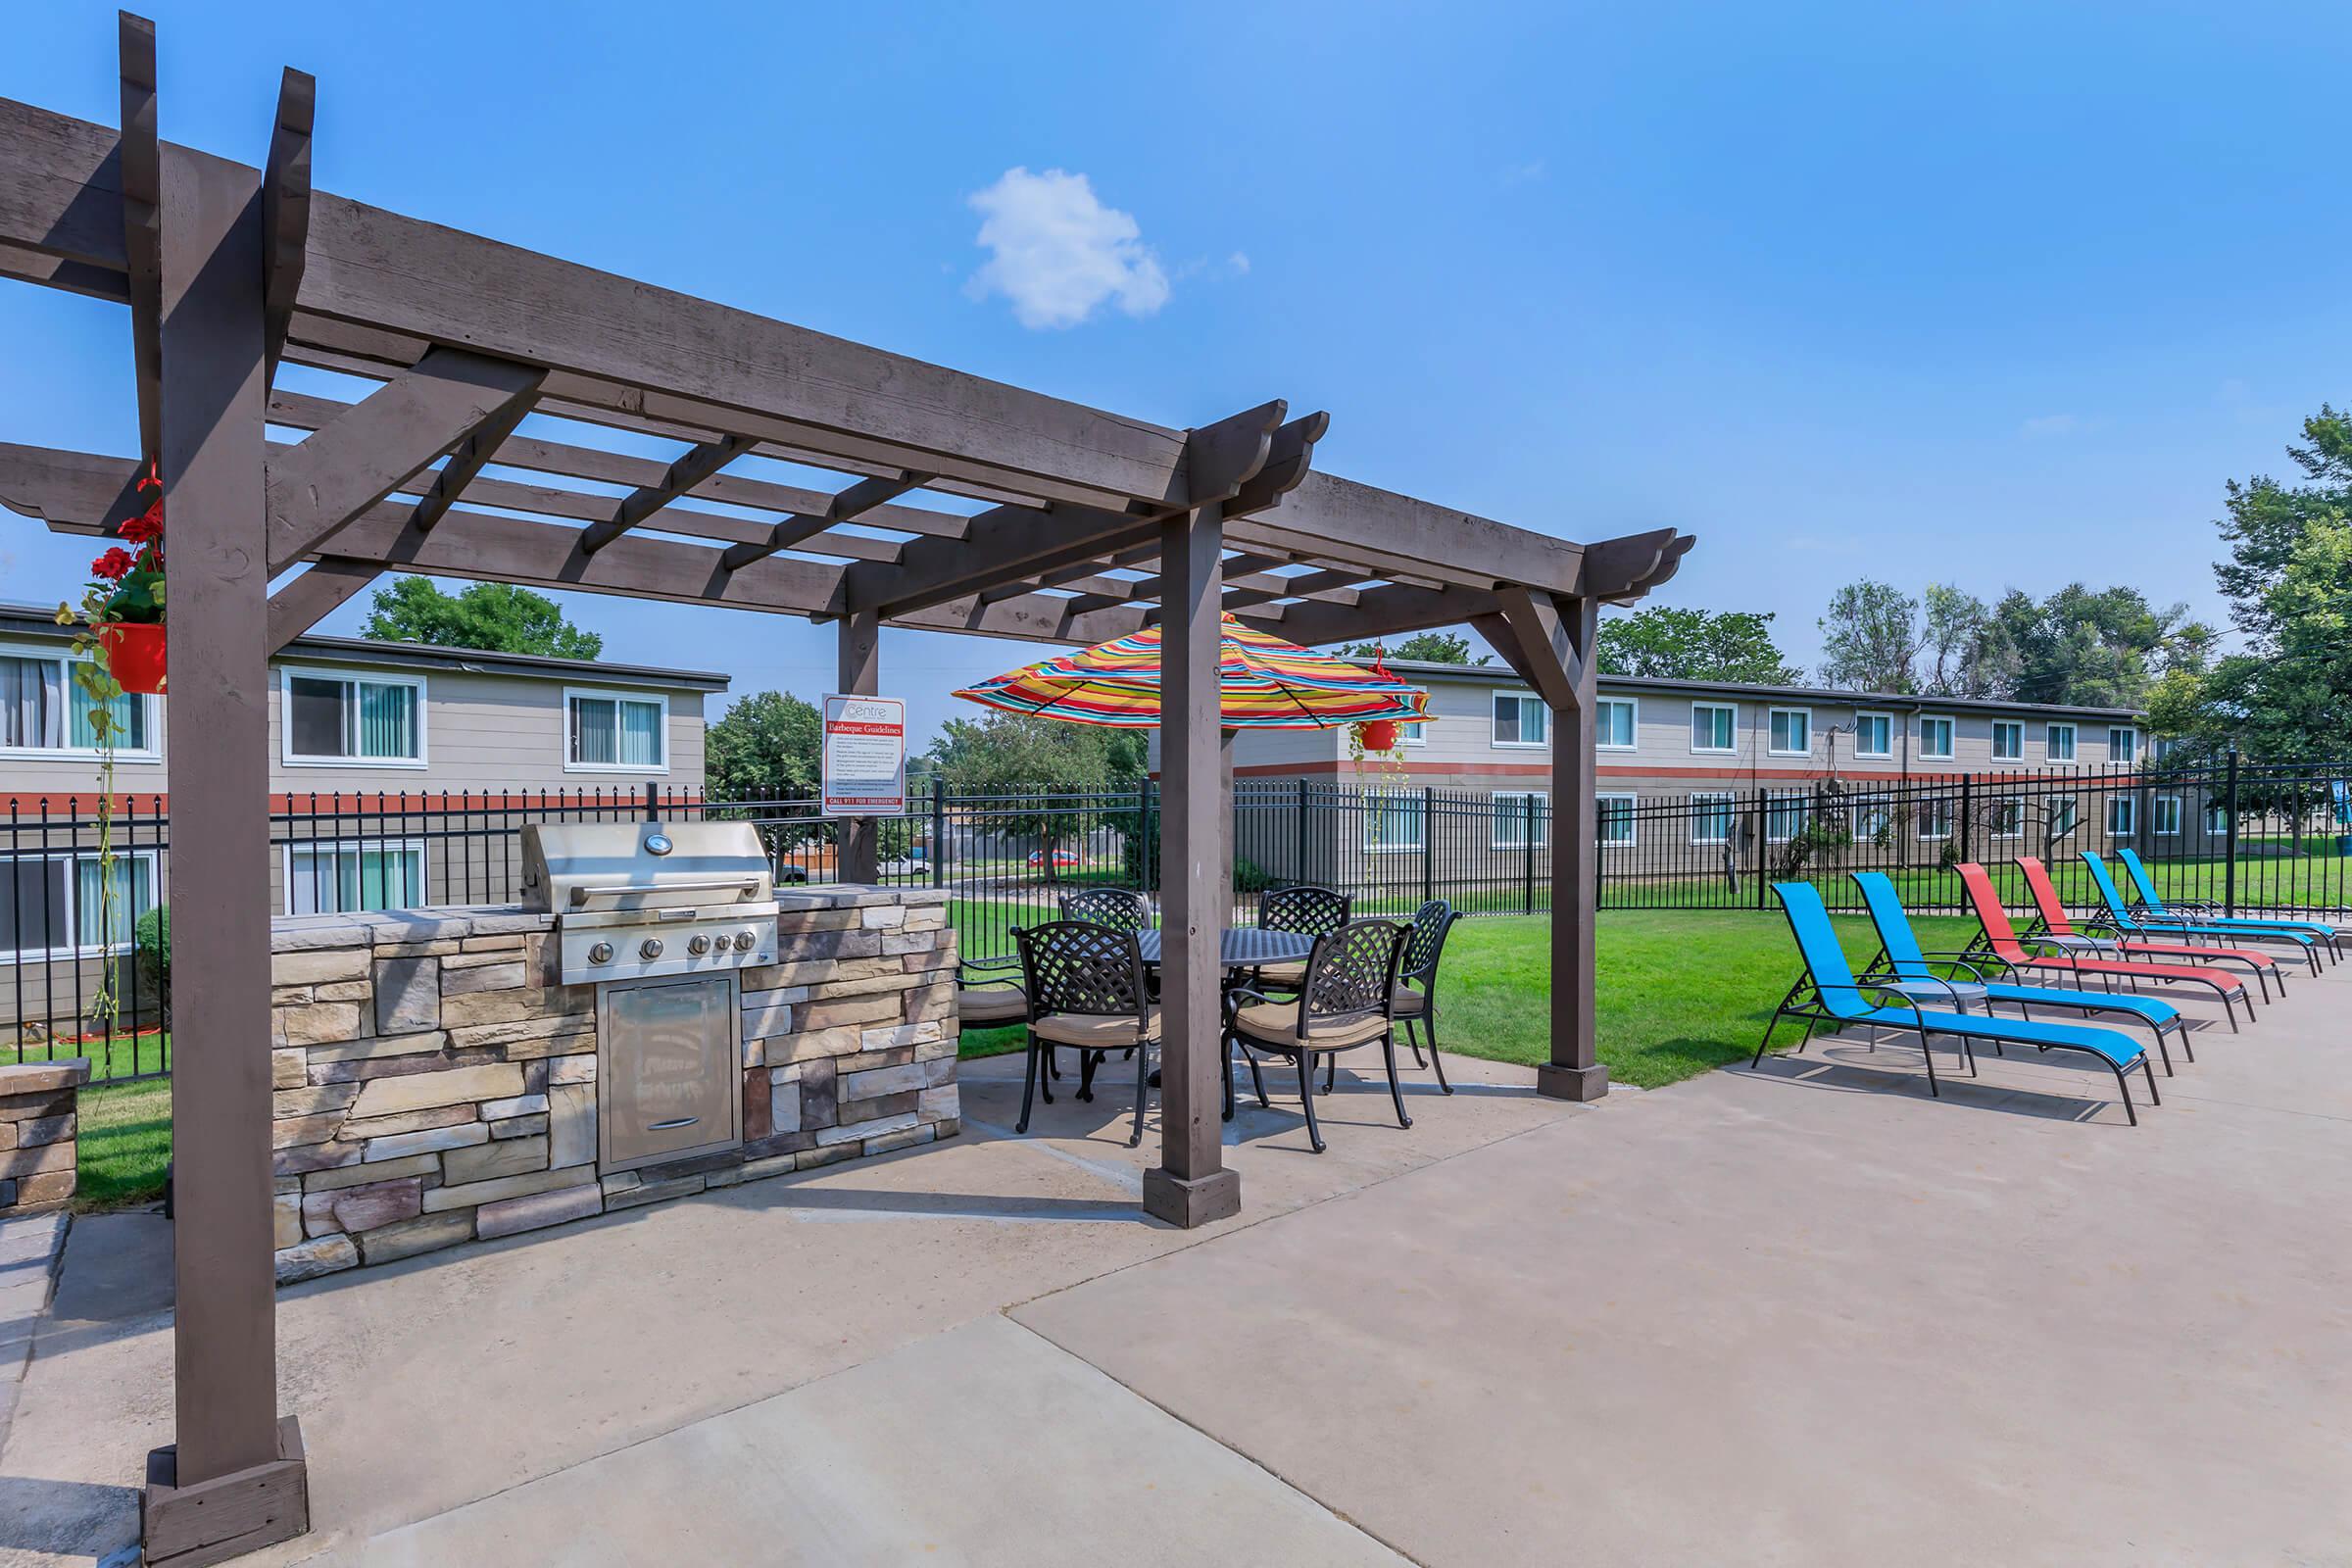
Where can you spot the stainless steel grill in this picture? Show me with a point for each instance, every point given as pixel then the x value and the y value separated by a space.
pixel 661 918
pixel 633 900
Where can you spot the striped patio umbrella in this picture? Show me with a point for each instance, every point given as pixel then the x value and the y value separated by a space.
pixel 1264 683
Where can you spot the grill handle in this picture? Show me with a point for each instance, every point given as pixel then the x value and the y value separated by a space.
pixel 743 887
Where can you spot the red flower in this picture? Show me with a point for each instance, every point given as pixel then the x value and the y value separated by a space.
pixel 113 565
pixel 146 528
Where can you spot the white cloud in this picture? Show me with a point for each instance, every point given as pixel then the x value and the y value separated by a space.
pixel 1238 264
pixel 1525 173
pixel 1058 254
pixel 2049 425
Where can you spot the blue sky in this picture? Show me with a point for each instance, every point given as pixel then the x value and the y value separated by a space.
pixel 1990 293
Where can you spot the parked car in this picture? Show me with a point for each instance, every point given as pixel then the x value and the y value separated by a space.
pixel 1063 859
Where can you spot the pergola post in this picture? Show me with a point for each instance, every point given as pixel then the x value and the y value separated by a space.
pixel 1191 1185
pixel 234 1479
pixel 861 671
pixel 1574 1071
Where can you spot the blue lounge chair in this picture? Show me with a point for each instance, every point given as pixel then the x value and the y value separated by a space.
pixel 2312 935
pixel 1827 993
pixel 2131 920
pixel 1910 970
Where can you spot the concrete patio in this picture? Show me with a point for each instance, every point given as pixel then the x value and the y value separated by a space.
pixel 1804 1314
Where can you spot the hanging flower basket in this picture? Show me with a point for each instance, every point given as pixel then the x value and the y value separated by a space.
pixel 134 655
pixel 1377 735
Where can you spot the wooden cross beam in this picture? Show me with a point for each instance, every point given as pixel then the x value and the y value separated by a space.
pixel 467 461
pixel 286 208
pixel 690 468
pixel 855 502
pixel 142 229
pixel 318 487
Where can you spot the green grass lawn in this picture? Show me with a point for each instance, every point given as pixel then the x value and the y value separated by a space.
pixel 1681 992
pixel 125 1131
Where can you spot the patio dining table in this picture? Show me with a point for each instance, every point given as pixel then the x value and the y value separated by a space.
pixel 1241 946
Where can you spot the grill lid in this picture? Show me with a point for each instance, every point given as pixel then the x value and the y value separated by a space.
pixel 579 867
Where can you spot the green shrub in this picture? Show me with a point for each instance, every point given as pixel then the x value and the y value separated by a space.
pixel 1249 877
pixel 151 949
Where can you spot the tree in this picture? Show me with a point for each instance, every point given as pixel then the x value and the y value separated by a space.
pixel 1674 644
pixel 1024 757
pixel 767 744
pixel 493 616
pixel 1870 638
pixel 1430 647
pixel 1966 651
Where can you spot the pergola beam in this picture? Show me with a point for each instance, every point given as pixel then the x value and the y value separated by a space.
pixel 143 223
pixel 309 597
pixel 318 487
pixel 286 207
pixel 690 468
pixel 857 500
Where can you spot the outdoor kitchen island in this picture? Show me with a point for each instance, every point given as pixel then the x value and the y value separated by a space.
pixel 437 1082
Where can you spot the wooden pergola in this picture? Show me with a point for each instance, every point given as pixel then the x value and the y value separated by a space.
pixel 1092 525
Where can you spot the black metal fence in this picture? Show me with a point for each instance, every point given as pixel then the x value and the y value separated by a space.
pixel 2246 837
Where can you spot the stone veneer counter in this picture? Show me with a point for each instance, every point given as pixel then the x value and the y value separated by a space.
pixel 435 1084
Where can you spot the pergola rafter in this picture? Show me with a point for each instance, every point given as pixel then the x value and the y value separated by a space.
pixel 230 271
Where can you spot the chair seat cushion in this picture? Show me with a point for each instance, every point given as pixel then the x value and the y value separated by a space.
pixel 1098 1031
pixel 986 1005
pixel 1275 1024
pixel 1292 975
pixel 1411 1003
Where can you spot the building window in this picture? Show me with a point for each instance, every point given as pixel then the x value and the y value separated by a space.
pixel 2059 743
pixel 1936 817
pixel 1874 735
pixel 2122 810
pixel 1713 727
pixel 1786 813
pixel 334 719
pixel 1872 818
pixel 50 905
pixel 1613 724
pixel 1415 734
pixel 2061 816
pixel 615 734
pixel 1711 817
pixel 1935 739
pixel 2164 746
pixel 2167 816
pixel 1792 732
pixel 352 876
pixel 1613 815
pixel 1518 720
pixel 2123 744
pixel 2217 819
pixel 2008 740
pixel 1520 818
pixel 2008 819
pixel 1392 821
pixel 44 713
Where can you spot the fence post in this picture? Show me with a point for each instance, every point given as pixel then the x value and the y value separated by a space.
pixel 1429 843
pixel 1763 852
pixel 2230 840
pixel 1301 872
pixel 653 801
pixel 1967 802
pixel 1526 853
pixel 939 830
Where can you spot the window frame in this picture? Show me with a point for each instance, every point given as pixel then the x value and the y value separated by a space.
pixel 1494 723
pixel 2130 751
pixel 1881 807
pixel 2014 808
pixel 1378 803
pixel 2017 724
pixel 70 897
pixel 1802 801
pixel 2074 817
pixel 287 675
pixel 1884 717
pixel 2217 819
pixel 425 868
pixel 2131 808
pixel 49 652
pixel 2050 742
pixel 1732 708
pixel 1518 820
pixel 1633 724
pixel 2180 815
pixel 1775 712
pixel 1723 797
pixel 1934 811
pixel 1409 732
pixel 1952 738
pixel 617 695
pixel 1602 818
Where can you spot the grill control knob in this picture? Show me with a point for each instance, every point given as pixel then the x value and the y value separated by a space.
pixel 698 945
pixel 744 941
pixel 651 947
pixel 602 952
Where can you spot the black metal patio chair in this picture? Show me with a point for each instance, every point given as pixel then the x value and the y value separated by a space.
pixel 1307 910
pixel 1119 908
pixel 1416 997
pixel 1347 998
pixel 1087 994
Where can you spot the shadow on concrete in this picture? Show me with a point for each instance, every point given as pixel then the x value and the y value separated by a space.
pixel 1853 1070
pixel 59 1517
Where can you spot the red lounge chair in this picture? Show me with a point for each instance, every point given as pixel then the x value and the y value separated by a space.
pixel 2054 924
pixel 2000 938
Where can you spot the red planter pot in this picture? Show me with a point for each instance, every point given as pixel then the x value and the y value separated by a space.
pixel 134 653
pixel 1378 735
